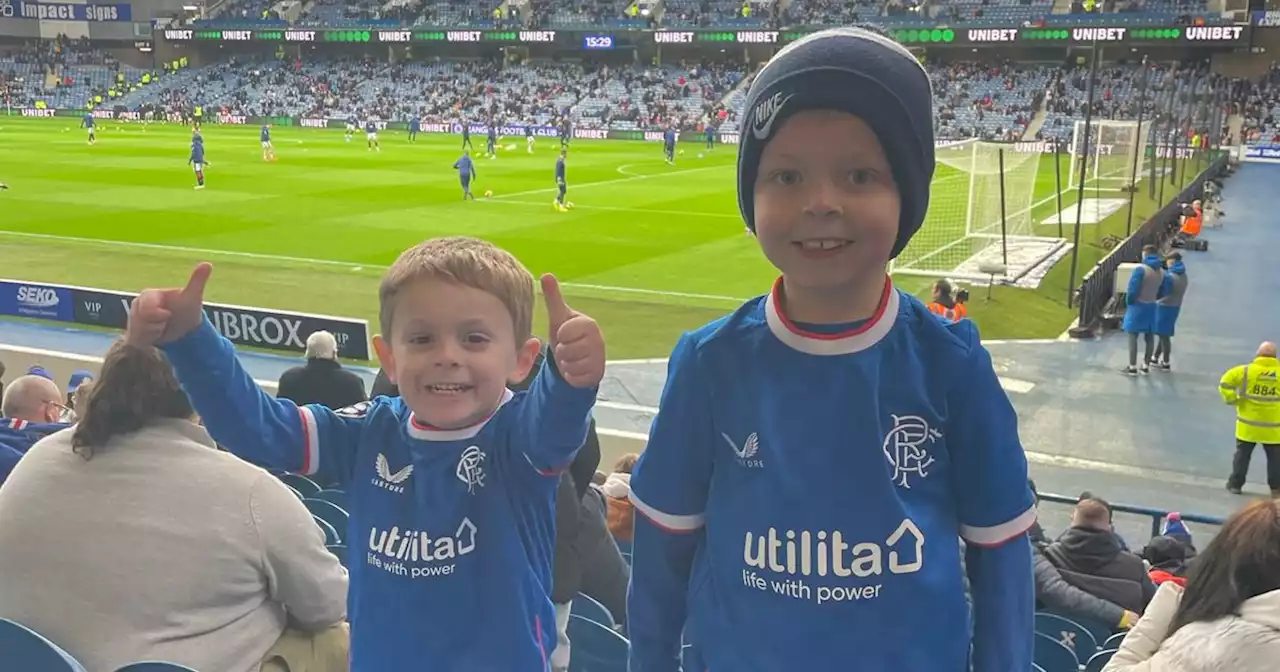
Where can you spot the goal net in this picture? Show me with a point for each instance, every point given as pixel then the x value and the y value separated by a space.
pixel 1108 160
pixel 966 228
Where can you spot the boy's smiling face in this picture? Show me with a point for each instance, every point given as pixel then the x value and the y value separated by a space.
pixel 452 349
pixel 826 204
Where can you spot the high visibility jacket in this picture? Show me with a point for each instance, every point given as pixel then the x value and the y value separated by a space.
pixel 1191 223
pixel 953 313
pixel 1254 389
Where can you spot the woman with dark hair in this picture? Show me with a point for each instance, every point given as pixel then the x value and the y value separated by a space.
pixel 1228 616
pixel 130 537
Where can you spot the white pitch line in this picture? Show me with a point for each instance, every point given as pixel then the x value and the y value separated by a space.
pixel 619 180
pixel 682 213
pixel 325 262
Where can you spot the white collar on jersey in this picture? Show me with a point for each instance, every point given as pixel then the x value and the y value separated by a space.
pixel 840 343
pixel 425 432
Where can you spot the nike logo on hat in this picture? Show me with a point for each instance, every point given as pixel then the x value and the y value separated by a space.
pixel 766 112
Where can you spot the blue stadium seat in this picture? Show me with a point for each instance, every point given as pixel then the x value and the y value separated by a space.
pixel 595 648
pixel 1053 656
pixel 338 497
pixel 588 608
pixel 25 649
pixel 1113 642
pixel 330 513
pixel 1036 668
pixel 155 666
pixel 330 534
pixel 340 551
pixel 624 546
pixel 301 483
pixel 1069 634
pixel 1100 631
pixel 1099 660
pixel 295 492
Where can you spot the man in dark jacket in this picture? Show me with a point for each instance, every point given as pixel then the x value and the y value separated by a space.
pixel 1090 557
pixel 322 380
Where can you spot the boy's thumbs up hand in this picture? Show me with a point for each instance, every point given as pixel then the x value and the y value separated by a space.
pixel 159 316
pixel 576 341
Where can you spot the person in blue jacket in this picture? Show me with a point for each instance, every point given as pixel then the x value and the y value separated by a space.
pixel 1147 284
pixel 818 454
pixel 30 411
pixel 1167 309
pixel 466 172
pixel 196 159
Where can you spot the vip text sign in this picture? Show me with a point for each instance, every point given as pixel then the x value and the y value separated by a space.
pixel 257 327
pixel 66 11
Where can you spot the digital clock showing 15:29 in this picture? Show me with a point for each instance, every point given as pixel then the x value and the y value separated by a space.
pixel 597 41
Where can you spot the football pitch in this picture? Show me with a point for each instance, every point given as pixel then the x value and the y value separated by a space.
pixel 649 250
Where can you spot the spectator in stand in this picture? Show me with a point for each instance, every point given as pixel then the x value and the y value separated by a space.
pixel 1090 557
pixel 136 539
pixel 1169 560
pixel 31 410
pixel 322 380
pixel 1228 616
pixel 1054 592
pixel 617 492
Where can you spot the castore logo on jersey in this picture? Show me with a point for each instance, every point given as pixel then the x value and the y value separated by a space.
pixel 393 482
pixel 746 453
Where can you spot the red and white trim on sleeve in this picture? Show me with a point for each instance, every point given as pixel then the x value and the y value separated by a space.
pixel 310 442
pixel 669 522
pixel 997 535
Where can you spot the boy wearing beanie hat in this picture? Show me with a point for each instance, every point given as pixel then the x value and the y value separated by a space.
pixel 817 452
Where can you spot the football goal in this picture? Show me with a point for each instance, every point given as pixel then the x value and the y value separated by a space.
pixel 979 213
pixel 1108 161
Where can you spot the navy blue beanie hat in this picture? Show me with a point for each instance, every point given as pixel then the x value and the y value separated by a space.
pixel 850 70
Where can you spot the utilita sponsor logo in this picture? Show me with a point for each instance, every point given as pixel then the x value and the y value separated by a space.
pixel 416 554
pixel 787 562
pixel 36 112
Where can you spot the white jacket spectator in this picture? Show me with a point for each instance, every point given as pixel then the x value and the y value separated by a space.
pixel 131 537
pixel 1228 617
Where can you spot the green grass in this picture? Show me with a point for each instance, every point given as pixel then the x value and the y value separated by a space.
pixel 650 250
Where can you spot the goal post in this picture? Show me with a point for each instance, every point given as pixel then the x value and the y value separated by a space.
pixel 980 212
pixel 1108 161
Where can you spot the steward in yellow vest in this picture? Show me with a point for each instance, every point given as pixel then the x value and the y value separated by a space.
pixel 1254 389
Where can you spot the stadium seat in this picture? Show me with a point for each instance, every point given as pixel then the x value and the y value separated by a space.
pixel 1100 631
pixel 339 550
pixel 155 666
pixel 330 534
pixel 338 497
pixel 624 546
pixel 330 513
pixel 1113 642
pixel 588 608
pixel 1053 656
pixel 1099 660
pixel 1068 633
pixel 595 647
pixel 301 483
pixel 1036 668
pixel 25 649
pixel 295 491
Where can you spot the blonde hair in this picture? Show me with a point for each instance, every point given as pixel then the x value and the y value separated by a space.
pixel 465 261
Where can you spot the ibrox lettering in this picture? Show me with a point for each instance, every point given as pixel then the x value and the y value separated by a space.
pixel 36 112
pixel 269 330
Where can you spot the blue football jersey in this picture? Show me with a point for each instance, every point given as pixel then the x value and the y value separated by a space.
pixel 828 479
pixel 451 532
pixel 266 133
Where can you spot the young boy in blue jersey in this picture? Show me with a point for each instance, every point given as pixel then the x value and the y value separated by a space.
pixel 466 172
pixel 196 160
pixel 451 484
pixel 371 136
pixel 88 123
pixel 268 150
pixel 818 454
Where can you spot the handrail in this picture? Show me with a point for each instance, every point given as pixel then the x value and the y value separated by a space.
pixel 1156 515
